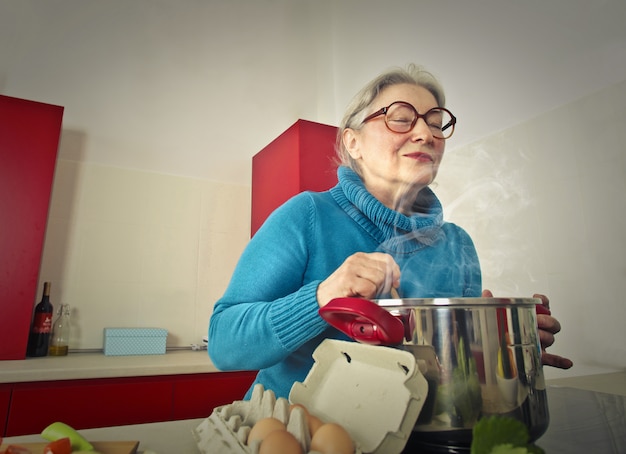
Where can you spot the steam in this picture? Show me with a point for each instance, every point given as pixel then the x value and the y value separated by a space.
pixel 485 188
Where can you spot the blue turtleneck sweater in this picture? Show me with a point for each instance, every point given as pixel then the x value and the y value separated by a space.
pixel 268 319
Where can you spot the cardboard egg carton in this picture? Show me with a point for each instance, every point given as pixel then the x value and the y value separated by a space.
pixel 376 393
pixel 226 430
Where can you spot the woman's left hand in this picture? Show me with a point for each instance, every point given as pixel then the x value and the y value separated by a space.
pixel 548 327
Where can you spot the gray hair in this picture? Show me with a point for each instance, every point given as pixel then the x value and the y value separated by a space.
pixel 357 109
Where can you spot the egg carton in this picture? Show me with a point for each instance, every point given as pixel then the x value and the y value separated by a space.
pixel 375 393
pixel 226 430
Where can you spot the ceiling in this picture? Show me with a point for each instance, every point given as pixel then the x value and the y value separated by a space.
pixel 197 87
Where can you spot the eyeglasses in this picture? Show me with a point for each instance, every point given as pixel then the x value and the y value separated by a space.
pixel 401 117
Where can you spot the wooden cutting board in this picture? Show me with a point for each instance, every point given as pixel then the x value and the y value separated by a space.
pixel 103 447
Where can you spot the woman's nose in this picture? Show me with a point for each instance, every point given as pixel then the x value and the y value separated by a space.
pixel 422 131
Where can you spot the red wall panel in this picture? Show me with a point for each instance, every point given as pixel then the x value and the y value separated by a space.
pixel 29 139
pixel 300 159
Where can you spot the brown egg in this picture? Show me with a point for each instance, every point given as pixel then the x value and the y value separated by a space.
pixel 314 423
pixel 263 428
pixel 280 442
pixel 332 438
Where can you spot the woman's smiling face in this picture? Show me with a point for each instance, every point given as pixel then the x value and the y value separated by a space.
pixel 395 166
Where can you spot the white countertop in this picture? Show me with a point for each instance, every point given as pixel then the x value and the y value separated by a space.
pixel 611 383
pixel 97 365
pixel 174 437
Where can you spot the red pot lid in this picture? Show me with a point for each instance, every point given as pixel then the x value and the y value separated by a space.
pixel 363 321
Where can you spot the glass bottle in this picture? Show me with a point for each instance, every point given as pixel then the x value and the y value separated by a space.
pixel 60 338
pixel 42 325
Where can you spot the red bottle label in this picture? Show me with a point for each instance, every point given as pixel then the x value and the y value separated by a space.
pixel 42 323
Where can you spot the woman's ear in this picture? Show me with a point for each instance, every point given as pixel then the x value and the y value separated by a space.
pixel 350 139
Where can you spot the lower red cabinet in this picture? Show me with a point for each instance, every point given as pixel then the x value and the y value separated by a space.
pixel 88 403
pixel 195 396
pixel 106 402
pixel 5 400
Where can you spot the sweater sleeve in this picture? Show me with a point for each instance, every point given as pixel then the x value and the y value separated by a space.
pixel 268 311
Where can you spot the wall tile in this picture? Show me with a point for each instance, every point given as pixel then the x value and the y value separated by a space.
pixel 131 248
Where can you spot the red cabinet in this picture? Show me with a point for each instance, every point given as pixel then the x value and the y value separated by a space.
pixel 194 394
pixel 107 402
pixel 301 159
pixel 5 399
pixel 88 403
pixel 29 139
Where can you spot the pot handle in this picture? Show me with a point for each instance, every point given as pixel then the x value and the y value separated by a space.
pixel 363 321
pixel 541 309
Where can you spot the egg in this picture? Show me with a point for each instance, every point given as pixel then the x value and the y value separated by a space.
pixel 280 442
pixel 263 428
pixel 331 438
pixel 314 423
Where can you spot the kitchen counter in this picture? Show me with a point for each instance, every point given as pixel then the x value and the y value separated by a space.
pixel 585 417
pixel 174 437
pixel 611 383
pixel 96 365
pixel 79 365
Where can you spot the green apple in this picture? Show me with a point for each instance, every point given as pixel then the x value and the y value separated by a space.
pixel 58 430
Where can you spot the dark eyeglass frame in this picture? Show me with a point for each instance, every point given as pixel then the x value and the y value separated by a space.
pixel 384 111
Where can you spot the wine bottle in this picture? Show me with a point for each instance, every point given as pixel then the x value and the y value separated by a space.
pixel 42 325
pixel 60 337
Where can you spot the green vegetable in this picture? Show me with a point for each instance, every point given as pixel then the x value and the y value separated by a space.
pixel 502 435
pixel 509 449
pixel 461 398
pixel 58 430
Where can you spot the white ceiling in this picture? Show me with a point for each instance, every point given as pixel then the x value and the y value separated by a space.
pixel 197 87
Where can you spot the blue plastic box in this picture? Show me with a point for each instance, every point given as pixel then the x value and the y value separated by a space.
pixel 134 341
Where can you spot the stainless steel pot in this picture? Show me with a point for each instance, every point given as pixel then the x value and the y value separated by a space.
pixel 480 356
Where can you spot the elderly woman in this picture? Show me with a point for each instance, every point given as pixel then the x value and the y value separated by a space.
pixel 379 228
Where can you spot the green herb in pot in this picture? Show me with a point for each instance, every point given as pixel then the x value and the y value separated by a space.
pixel 502 435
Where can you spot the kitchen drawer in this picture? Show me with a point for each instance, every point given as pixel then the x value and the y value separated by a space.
pixel 195 396
pixel 89 403
pixel 27 408
pixel 5 399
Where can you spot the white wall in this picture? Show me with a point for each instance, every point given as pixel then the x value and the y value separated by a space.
pixel 187 87
pixel 196 87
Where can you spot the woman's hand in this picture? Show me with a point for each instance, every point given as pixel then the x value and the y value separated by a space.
pixel 364 275
pixel 548 327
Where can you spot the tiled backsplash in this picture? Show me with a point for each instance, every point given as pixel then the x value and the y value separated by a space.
pixel 128 248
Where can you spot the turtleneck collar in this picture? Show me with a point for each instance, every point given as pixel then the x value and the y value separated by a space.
pixel 396 232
